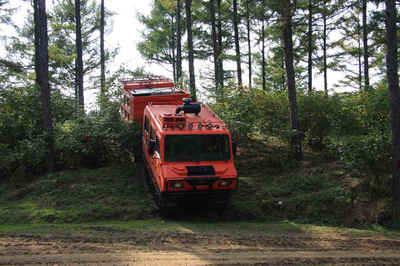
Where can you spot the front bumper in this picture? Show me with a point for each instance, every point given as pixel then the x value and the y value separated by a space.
pixel 197 190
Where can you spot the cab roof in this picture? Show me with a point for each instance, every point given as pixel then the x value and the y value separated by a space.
pixel 166 118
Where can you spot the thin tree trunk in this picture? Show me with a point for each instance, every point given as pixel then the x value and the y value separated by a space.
pixel 393 81
pixel 178 41
pixel 325 67
pixel 237 45
pixel 190 49
pixel 359 53
pixel 310 46
pixel 102 56
pixel 42 76
pixel 172 49
pixel 215 48
pixel 286 17
pixel 220 48
pixel 365 43
pixel 248 39
pixel 79 62
pixel 263 54
pixel 283 74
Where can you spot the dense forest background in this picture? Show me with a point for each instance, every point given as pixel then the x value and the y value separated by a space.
pixel 281 46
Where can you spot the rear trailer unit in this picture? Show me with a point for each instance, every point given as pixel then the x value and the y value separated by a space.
pixel 139 92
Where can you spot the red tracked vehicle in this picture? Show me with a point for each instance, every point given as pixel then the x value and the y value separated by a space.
pixel 187 149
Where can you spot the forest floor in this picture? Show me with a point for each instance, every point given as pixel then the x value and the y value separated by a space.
pixel 284 213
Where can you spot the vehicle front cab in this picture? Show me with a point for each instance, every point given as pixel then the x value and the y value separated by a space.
pixel 188 156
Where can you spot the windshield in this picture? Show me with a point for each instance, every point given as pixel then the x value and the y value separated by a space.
pixel 192 148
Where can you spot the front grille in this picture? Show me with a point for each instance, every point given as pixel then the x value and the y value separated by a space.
pixel 201 181
pixel 200 170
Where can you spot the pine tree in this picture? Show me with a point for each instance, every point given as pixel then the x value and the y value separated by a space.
pixel 178 41
pixel 220 45
pixel 190 48
pixel 42 75
pixel 365 44
pixel 79 60
pixel 286 9
pixel 310 45
pixel 160 40
pixel 237 45
pixel 215 46
pixel 248 22
pixel 102 56
pixel 393 80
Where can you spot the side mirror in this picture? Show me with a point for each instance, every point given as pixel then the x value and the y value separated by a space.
pixel 234 148
pixel 151 146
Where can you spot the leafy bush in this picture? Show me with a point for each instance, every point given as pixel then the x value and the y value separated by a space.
pixel 96 139
pixel 238 112
pixel 273 114
pixel 87 140
pixel 23 160
pixel 369 153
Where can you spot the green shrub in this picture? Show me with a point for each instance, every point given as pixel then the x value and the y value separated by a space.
pixel 273 114
pixel 369 158
pixel 96 139
pixel 238 112
pixel 24 160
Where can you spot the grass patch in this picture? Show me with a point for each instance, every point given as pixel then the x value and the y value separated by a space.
pixel 77 196
pixel 152 227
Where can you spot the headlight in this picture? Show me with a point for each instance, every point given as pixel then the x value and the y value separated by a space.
pixel 225 183
pixel 177 185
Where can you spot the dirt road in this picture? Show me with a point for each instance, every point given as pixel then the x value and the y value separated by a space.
pixel 129 247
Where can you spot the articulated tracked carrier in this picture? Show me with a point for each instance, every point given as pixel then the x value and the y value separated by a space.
pixel 187 149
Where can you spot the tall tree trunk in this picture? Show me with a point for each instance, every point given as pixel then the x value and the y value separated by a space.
pixel 365 44
pixel 78 61
pixel 283 87
pixel 359 53
pixel 178 41
pixel 286 20
pixel 220 48
pixel 172 49
pixel 325 67
pixel 102 56
pixel 215 48
pixel 393 81
pixel 248 39
pixel 310 45
pixel 263 54
pixel 42 75
pixel 237 46
pixel 190 49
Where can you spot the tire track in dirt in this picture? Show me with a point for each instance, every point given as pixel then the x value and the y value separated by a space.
pixel 172 248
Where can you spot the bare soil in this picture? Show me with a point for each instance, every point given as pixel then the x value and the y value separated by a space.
pixel 107 246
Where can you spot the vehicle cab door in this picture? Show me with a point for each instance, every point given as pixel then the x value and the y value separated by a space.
pixel 145 133
pixel 154 156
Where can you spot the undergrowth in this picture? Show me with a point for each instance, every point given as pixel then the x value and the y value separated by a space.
pixel 272 187
pixel 77 196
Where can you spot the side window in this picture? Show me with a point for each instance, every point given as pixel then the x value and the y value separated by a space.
pixel 152 133
pixel 146 124
pixel 157 147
